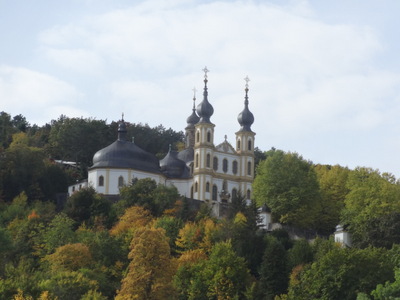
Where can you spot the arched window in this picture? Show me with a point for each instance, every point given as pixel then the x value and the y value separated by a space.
pixel 191 192
pixel 197 160
pixel 208 136
pixel 101 180
pixel 196 187
pixel 225 165
pixel 191 168
pixel 234 167
pixel 249 168
pixel 120 181
pixel 208 160
pixel 208 187
pixel 249 145
pixel 238 145
pixel 198 136
pixel 234 194
pixel 248 194
pixel 214 192
pixel 215 163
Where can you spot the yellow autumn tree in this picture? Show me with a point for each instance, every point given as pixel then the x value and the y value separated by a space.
pixel 135 217
pixel 70 257
pixel 151 269
pixel 198 235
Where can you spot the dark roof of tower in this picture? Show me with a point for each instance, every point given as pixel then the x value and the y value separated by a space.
pixel 246 118
pixel 173 167
pixel 205 109
pixel 193 118
pixel 186 155
pixel 124 154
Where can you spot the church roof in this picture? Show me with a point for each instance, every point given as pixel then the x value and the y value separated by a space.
pixel 124 154
pixel 173 167
pixel 187 155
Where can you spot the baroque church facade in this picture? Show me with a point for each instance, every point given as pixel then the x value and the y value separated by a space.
pixel 202 171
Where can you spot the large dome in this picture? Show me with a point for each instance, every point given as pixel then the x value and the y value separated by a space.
pixel 124 154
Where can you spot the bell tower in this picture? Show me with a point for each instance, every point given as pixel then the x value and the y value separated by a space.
pixel 245 145
pixel 203 146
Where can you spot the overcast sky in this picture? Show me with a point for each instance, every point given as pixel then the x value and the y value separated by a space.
pixel 324 75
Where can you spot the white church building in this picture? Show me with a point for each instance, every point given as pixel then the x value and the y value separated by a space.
pixel 202 171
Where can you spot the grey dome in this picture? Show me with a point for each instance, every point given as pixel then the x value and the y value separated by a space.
pixel 186 155
pixel 193 118
pixel 172 166
pixel 246 118
pixel 124 154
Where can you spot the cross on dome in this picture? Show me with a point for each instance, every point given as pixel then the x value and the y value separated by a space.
pixel 205 70
pixel 194 93
pixel 247 79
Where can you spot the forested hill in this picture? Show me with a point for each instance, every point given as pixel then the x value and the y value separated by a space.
pixel 151 245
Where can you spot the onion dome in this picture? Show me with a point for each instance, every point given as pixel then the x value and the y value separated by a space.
pixel 193 118
pixel 172 166
pixel 186 155
pixel 124 154
pixel 205 109
pixel 246 118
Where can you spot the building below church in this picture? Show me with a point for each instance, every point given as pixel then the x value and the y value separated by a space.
pixel 202 171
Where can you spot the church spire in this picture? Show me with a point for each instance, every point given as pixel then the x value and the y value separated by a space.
pixel 205 109
pixel 246 118
pixel 122 130
pixel 193 118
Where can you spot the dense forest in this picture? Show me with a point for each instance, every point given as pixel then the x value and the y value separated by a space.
pixel 151 245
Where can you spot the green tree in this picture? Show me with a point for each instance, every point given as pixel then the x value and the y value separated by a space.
pixel 59 232
pixel 300 253
pixel 226 273
pixel 85 205
pixel 288 185
pixel 333 186
pixel 147 193
pixel 77 139
pixel 342 273
pixel 371 208
pixel 274 277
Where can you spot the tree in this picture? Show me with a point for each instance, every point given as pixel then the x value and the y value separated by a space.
pixel 274 275
pixel 288 185
pixel 372 208
pixel 85 204
pixel 225 273
pixel 77 139
pixel 333 186
pixel 70 257
pixel 342 273
pixel 147 193
pixel 59 232
pixel 151 270
pixel 134 218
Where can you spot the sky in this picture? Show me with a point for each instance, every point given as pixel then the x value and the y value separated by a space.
pixel 324 75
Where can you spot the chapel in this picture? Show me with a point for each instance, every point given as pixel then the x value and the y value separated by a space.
pixel 202 171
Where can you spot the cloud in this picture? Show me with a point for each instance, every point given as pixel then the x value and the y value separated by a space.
pixel 27 92
pixel 311 78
